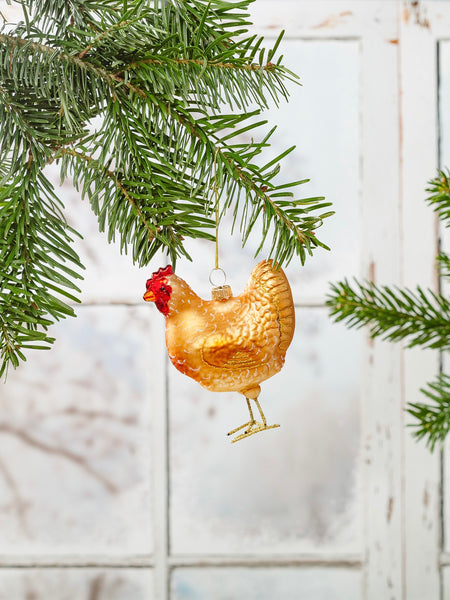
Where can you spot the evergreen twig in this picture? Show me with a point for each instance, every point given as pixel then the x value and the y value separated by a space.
pixel 433 416
pixel 420 318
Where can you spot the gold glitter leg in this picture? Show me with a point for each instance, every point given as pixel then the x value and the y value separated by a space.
pixel 252 426
pixel 249 424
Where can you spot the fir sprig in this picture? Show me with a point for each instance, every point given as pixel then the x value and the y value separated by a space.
pixel 439 194
pixel 420 318
pixel 433 416
pixel 38 266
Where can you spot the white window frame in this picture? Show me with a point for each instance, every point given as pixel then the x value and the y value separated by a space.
pixel 402 554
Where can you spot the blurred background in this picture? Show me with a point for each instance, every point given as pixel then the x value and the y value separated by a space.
pixel 117 479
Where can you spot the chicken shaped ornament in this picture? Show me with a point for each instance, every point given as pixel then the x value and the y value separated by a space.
pixel 228 343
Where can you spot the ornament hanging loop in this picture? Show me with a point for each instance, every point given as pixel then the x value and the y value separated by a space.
pixel 217 277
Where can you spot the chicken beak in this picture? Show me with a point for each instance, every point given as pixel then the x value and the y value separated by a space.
pixel 149 296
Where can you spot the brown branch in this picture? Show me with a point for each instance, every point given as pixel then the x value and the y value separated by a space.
pixel 87 66
pixel 58 451
pixel 197 61
pixel 78 59
pixel 119 185
pixel 7 348
pixel 102 35
pixel 262 192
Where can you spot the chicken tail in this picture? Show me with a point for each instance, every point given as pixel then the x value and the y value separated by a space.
pixel 273 282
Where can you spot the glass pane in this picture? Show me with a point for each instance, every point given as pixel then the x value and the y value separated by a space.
pixel 75 439
pixel 290 489
pixel 267 584
pixel 322 120
pixel 79 584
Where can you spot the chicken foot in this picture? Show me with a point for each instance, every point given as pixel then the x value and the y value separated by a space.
pixel 251 426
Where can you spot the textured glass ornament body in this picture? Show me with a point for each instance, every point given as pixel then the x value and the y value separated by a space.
pixel 232 344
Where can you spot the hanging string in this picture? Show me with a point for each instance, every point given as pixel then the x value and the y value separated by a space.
pixel 220 291
pixel 216 197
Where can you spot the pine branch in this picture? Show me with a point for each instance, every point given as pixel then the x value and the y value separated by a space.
pixel 57 17
pixel 35 276
pixel 422 318
pixel 443 262
pixel 83 157
pixel 287 221
pixel 439 198
pixel 434 416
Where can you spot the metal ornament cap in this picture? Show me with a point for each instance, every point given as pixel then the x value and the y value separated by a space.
pixel 221 293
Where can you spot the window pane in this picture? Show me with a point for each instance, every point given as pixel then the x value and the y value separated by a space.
pixel 295 488
pixel 266 584
pixel 75 440
pixel 79 584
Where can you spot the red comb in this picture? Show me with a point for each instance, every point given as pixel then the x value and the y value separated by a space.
pixel 159 274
